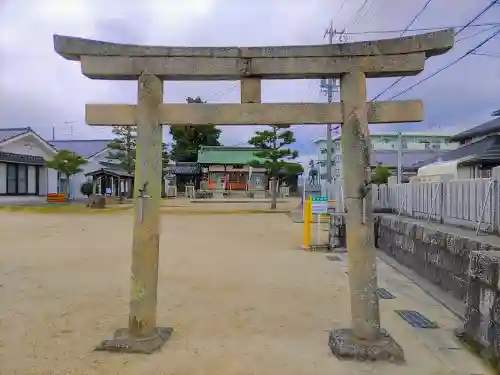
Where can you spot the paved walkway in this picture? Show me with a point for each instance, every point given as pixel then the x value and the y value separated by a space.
pixel 241 296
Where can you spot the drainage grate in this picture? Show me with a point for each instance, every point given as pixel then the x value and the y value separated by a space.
pixel 415 319
pixel 333 258
pixel 383 293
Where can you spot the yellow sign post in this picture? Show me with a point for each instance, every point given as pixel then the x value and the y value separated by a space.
pixel 307 223
pixel 308 219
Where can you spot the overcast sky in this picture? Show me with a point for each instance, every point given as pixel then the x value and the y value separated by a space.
pixel 40 89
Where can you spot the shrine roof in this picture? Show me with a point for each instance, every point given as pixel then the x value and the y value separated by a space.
pixel 227 155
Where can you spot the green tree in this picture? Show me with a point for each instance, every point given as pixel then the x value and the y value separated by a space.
pixel 274 154
pixel 188 139
pixel 290 171
pixel 67 163
pixel 123 147
pixel 165 160
pixel 381 175
pixel 123 150
pixel 87 189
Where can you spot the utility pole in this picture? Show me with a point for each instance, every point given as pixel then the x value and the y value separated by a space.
pixel 328 87
pixel 70 127
pixel 400 158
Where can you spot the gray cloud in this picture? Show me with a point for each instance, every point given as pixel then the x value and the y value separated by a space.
pixel 40 89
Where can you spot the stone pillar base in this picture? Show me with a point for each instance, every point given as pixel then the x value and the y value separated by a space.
pixel 122 342
pixel 344 345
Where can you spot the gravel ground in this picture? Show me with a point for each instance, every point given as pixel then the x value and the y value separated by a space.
pixel 241 296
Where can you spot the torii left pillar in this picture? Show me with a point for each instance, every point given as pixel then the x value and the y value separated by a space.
pixel 142 334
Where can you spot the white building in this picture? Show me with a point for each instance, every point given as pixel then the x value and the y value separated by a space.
pixel 478 154
pixel 23 173
pixel 415 147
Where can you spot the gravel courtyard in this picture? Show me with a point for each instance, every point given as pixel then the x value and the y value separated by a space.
pixel 241 296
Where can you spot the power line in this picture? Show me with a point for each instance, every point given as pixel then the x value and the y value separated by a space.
pixel 366 13
pixel 459 40
pixel 356 13
pixel 382 6
pixel 416 16
pixel 490 5
pixel 470 52
pixel 404 31
pixel 222 92
pixel 495 24
pixel 486 54
pixel 340 8
pixel 475 34
pixel 458 32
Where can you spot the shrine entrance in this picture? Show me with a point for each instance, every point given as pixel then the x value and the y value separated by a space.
pixel 351 62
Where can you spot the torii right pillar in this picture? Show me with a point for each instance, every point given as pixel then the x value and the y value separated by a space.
pixel 365 340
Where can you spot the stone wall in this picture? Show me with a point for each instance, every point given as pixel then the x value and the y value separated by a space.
pixel 482 315
pixel 464 265
pixel 439 257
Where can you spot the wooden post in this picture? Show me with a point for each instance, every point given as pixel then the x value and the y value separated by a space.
pixel 147 194
pixel 359 219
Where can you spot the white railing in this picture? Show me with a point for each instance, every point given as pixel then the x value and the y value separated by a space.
pixel 470 203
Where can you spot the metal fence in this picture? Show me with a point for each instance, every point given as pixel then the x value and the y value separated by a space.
pixel 473 203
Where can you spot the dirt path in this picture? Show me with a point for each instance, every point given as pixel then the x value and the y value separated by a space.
pixel 240 295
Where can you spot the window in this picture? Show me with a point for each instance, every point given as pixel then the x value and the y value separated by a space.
pixel 22 179
pixel 404 143
pixel 436 146
pixel 11 178
pixel 426 144
pixel 22 174
pixel 485 173
pixel 323 151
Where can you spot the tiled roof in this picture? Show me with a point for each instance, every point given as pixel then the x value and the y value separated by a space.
pixel 8 133
pixel 485 150
pixel 409 157
pixel 487 128
pixel 226 155
pixel 85 148
pixel 114 169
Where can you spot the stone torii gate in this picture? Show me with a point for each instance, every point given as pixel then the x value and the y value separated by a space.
pixel 352 63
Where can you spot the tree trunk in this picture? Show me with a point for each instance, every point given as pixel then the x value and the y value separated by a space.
pixel 66 187
pixel 274 193
pixel 129 188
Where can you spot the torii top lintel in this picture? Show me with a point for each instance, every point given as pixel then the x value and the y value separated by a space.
pixel 378 58
pixel 432 44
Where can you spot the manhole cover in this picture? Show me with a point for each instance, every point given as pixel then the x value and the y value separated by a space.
pixel 333 258
pixel 415 319
pixel 383 293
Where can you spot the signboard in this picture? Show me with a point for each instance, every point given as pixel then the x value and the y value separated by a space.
pixel 319 205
